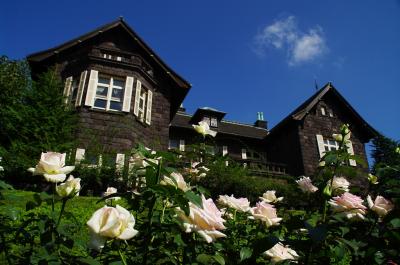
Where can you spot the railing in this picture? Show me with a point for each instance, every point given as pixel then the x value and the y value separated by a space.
pixel 123 57
pixel 264 168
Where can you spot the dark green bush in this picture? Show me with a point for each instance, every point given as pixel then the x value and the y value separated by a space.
pixel 235 179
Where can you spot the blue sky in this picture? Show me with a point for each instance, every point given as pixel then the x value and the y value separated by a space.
pixel 243 57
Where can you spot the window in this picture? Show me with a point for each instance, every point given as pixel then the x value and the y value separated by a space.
pixel 109 93
pixel 173 144
pixel 207 119
pixel 107 56
pixel 74 91
pixel 244 154
pixel 214 122
pixel 323 112
pixel 224 150
pixel 182 145
pixel 330 145
pixel 325 145
pixel 143 103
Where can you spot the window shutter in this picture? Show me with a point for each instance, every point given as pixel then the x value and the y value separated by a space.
pixel 244 154
pixel 137 98
pixel 120 162
pixel 91 90
pixel 224 150
pixel 81 87
pixel 182 145
pixel 149 103
pixel 350 150
pixel 79 155
pixel 67 89
pixel 320 142
pixel 128 94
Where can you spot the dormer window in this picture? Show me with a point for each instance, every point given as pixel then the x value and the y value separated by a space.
pixel 214 122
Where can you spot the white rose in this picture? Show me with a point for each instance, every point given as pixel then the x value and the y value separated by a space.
pixel 266 213
pixel 206 221
pixel 110 223
pixel 279 252
pixel 52 167
pixel 70 188
pixel 306 185
pixel 339 185
pixel 270 197
pixel 177 180
pixel 109 191
pixel 381 206
pixel 240 204
pixel 204 129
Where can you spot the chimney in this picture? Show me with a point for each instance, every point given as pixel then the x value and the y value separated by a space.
pixel 181 108
pixel 260 122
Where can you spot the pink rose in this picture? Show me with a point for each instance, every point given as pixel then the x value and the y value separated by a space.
pixel 349 204
pixel 240 204
pixel 266 213
pixel 206 220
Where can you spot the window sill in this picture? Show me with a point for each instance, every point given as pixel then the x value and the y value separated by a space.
pixel 114 112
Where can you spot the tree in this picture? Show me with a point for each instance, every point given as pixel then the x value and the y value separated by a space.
pixel 387 166
pixel 384 151
pixel 34 118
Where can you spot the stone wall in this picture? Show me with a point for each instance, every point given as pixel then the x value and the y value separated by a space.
pixel 315 123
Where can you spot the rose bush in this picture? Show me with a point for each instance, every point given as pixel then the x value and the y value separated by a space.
pixel 168 221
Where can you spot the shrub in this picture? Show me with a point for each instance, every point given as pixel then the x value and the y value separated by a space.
pixel 235 179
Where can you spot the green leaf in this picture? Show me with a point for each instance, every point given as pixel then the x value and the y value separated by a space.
pixel 5 186
pixel 89 261
pixel 245 253
pixel 395 223
pixel 151 177
pixel 194 198
pixel 204 259
pixel 218 258
pixel 318 233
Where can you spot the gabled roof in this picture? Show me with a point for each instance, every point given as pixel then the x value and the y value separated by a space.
pixel 183 120
pixel 43 55
pixel 300 112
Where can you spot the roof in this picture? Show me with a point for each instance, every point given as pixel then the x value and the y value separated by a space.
pixel 182 120
pixel 43 55
pixel 300 112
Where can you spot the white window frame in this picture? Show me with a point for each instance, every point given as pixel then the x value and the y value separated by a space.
pixel 213 122
pixel 108 98
pixel 323 111
pixel 182 145
pixel 142 104
pixel 224 150
pixel 244 153
pixel 330 145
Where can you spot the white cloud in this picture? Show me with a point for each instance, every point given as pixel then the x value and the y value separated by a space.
pixel 285 35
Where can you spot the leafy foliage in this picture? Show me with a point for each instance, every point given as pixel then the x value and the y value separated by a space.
pixel 33 118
